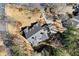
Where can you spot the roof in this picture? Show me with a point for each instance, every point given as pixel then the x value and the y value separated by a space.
pixel 35 27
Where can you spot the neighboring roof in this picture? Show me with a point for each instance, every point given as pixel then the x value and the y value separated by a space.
pixel 75 20
pixel 77 26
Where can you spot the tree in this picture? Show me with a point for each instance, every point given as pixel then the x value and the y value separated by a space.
pixel 75 52
pixel 69 39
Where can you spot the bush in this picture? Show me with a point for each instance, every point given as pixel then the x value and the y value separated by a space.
pixel 16 50
pixel 60 52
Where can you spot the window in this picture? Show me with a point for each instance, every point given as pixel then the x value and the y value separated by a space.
pixel 32 37
pixel 41 33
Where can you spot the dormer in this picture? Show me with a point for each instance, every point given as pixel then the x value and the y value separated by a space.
pixel 26 30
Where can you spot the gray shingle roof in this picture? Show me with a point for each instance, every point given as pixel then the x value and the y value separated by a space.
pixel 29 31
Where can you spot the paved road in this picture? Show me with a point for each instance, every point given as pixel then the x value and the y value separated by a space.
pixel 2 13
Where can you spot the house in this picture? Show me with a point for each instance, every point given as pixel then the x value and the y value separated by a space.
pixel 36 33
